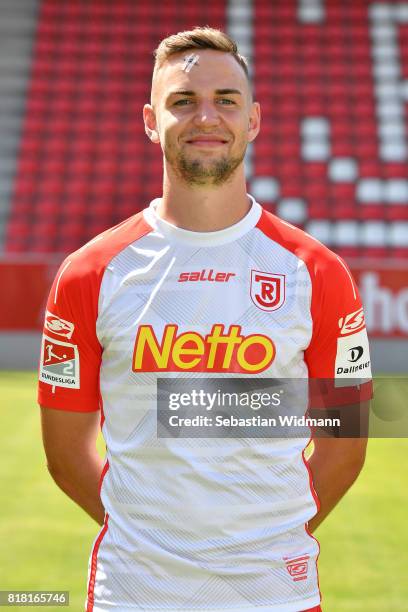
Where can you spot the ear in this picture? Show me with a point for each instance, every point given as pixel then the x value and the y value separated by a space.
pixel 150 123
pixel 254 122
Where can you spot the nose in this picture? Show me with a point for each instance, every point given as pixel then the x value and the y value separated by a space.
pixel 207 114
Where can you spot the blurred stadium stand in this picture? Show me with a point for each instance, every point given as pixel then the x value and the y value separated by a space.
pixel 332 155
pixel 17 29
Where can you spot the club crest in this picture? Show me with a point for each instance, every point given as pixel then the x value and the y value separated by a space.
pixel 267 290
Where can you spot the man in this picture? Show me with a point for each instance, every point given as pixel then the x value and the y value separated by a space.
pixel 202 283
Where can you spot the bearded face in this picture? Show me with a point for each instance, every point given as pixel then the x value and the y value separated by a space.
pixel 205 167
pixel 203 118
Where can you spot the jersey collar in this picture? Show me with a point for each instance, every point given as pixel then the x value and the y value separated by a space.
pixel 223 236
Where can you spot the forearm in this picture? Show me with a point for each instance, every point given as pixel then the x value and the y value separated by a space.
pixel 79 479
pixel 334 470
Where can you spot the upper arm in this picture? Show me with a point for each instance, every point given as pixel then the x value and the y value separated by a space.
pixel 338 347
pixel 345 446
pixel 68 436
pixel 70 350
pixel 338 356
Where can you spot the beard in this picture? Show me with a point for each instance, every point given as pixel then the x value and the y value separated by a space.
pixel 209 172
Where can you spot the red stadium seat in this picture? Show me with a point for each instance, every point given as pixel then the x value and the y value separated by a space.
pixel 367 212
pixel 318 208
pixel 396 212
pixel 19 228
pixel 16 244
pixel 395 170
pixel 22 207
pixel 399 253
pixel 375 252
pixel 349 252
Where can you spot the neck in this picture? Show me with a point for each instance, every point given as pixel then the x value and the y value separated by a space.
pixel 203 208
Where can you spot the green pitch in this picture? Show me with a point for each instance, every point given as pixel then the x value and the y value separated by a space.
pixel 46 539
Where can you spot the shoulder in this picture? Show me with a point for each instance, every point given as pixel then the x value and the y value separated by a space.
pixel 91 260
pixel 318 258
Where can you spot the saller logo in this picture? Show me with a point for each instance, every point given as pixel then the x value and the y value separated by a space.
pixel 267 290
pixel 205 275
pixel 218 351
pixel 297 567
pixel 58 326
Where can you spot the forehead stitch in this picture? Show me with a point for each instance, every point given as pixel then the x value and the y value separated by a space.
pixel 190 61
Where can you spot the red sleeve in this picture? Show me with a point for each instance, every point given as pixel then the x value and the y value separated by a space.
pixel 70 350
pixel 338 354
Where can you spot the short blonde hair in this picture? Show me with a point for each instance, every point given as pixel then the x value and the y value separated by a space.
pixel 198 38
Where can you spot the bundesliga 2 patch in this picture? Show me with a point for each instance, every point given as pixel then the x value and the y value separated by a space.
pixel 59 365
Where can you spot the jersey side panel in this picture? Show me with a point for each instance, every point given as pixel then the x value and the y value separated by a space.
pixel 71 352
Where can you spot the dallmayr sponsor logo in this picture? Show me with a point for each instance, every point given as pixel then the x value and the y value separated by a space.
pixel 353 356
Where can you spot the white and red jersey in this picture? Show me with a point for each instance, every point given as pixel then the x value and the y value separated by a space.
pixel 198 524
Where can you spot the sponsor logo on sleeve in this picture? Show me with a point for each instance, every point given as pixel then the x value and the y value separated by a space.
pixel 355 353
pixel 352 322
pixel 58 326
pixel 267 290
pixel 353 356
pixel 59 365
